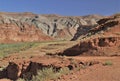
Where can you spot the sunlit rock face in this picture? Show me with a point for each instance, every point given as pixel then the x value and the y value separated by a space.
pixel 34 27
pixel 103 39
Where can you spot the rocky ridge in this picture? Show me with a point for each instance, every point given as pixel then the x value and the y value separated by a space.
pixel 35 27
pixel 104 39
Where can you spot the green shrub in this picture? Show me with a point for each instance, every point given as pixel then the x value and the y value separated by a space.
pixel 45 74
pixel 6 49
pixel 49 73
pixel 107 63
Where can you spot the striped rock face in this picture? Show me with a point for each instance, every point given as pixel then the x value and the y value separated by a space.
pixel 18 27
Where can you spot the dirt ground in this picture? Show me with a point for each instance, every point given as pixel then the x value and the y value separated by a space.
pixel 97 72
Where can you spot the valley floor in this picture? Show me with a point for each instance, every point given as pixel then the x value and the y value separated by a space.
pixel 97 72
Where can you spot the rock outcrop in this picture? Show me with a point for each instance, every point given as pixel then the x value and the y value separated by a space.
pixel 18 27
pixel 106 46
pixel 26 69
pixel 103 39
pixel 106 26
pixel 109 25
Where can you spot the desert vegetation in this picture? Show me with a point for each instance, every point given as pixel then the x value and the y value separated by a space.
pixel 6 49
pixel 108 63
pixel 50 73
pixel 47 74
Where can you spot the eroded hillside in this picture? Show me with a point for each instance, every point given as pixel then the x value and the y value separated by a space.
pixel 104 39
pixel 18 27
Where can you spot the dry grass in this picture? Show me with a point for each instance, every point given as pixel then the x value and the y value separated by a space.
pixel 50 73
pixel 6 49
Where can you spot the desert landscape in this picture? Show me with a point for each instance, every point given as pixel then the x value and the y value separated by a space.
pixel 36 47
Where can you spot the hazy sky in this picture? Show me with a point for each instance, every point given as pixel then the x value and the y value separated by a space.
pixel 62 7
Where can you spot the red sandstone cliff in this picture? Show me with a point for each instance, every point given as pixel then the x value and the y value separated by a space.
pixel 27 33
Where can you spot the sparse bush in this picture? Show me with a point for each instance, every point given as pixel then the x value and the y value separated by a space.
pixel 64 70
pixel 83 67
pixel 49 73
pixel 45 74
pixel 78 68
pixel 6 49
pixel 107 63
pixel 2 67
